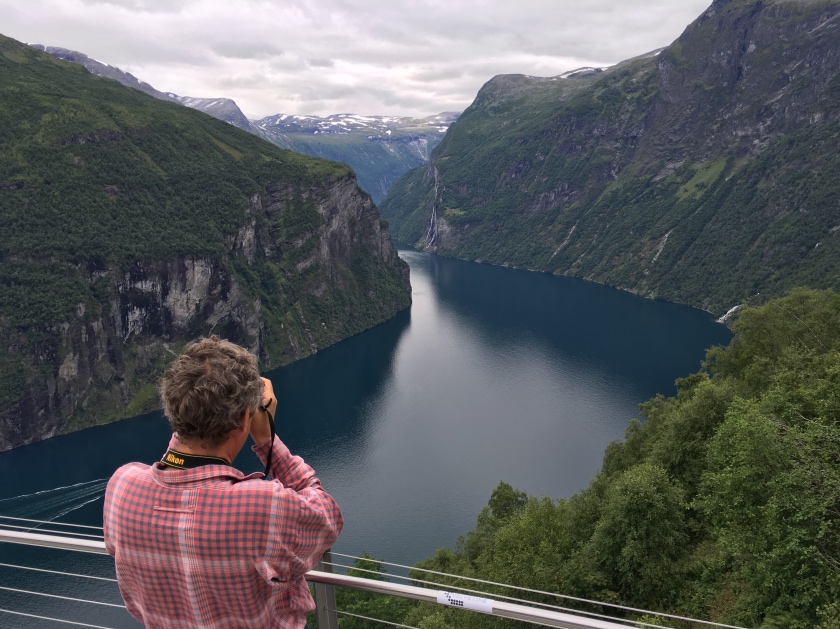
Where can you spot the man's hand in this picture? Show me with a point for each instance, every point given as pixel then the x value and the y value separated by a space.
pixel 260 429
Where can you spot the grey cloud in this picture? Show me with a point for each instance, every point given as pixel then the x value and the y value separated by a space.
pixel 438 73
pixel 146 6
pixel 287 63
pixel 139 54
pixel 414 57
pixel 246 50
pixel 333 92
pixel 237 81
pixel 600 29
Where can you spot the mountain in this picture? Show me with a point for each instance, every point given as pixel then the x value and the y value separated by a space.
pixel 378 148
pixel 132 225
pixel 103 69
pixel 221 108
pixel 704 174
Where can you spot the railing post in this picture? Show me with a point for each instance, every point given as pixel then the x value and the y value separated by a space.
pixel 325 597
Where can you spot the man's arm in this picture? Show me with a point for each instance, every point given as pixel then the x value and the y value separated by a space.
pixel 260 428
pixel 290 470
pixel 305 519
pixel 317 518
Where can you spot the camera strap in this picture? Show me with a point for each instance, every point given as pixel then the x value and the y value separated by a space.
pixel 184 461
pixel 271 441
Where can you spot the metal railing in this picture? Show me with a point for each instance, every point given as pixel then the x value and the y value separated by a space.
pixel 324 581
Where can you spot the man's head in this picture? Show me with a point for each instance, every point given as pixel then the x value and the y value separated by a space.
pixel 206 390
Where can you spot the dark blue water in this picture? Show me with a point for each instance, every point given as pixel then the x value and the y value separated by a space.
pixel 494 374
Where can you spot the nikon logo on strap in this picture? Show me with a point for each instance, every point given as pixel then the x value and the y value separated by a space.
pixel 184 461
pixel 174 460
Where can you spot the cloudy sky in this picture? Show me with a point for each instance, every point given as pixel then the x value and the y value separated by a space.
pixel 398 57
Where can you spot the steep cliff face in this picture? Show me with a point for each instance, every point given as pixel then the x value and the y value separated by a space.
pixel 743 75
pixel 703 174
pixel 134 226
pixel 101 363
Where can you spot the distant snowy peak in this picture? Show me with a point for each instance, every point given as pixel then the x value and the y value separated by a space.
pixel 589 71
pixel 221 108
pixel 580 72
pixel 343 124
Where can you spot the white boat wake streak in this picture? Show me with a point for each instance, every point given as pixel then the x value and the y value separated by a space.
pixel 50 504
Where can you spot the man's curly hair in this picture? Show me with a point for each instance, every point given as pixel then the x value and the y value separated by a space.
pixel 206 390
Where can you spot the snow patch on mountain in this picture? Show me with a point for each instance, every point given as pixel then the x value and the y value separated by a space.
pixel 343 124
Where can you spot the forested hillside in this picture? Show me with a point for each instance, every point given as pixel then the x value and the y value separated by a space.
pixel 131 225
pixel 724 504
pixel 704 175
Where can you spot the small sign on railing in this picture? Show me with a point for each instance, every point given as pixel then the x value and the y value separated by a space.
pixel 464 601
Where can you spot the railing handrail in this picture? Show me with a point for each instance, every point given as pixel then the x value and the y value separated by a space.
pixel 53 541
pixel 544 617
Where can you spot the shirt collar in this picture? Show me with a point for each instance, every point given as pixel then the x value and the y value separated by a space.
pixel 173 476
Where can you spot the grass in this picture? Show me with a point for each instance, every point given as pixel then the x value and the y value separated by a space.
pixel 705 175
pixel 147 399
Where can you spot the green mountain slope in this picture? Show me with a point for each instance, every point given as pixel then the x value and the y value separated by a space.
pixel 704 175
pixel 132 225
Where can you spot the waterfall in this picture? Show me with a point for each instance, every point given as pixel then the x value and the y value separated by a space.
pixel 432 232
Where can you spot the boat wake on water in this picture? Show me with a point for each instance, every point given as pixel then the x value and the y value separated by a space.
pixel 51 504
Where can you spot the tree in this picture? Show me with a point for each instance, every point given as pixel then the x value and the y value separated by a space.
pixel 640 536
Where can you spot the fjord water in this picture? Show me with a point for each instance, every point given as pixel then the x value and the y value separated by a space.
pixel 494 374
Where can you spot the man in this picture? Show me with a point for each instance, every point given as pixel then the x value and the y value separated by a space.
pixel 196 542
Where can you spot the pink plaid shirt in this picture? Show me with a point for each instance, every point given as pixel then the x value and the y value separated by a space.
pixel 212 547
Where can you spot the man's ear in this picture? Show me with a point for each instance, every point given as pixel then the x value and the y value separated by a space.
pixel 245 420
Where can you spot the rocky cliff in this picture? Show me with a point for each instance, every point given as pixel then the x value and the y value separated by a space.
pixel 703 174
pixel 131 233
